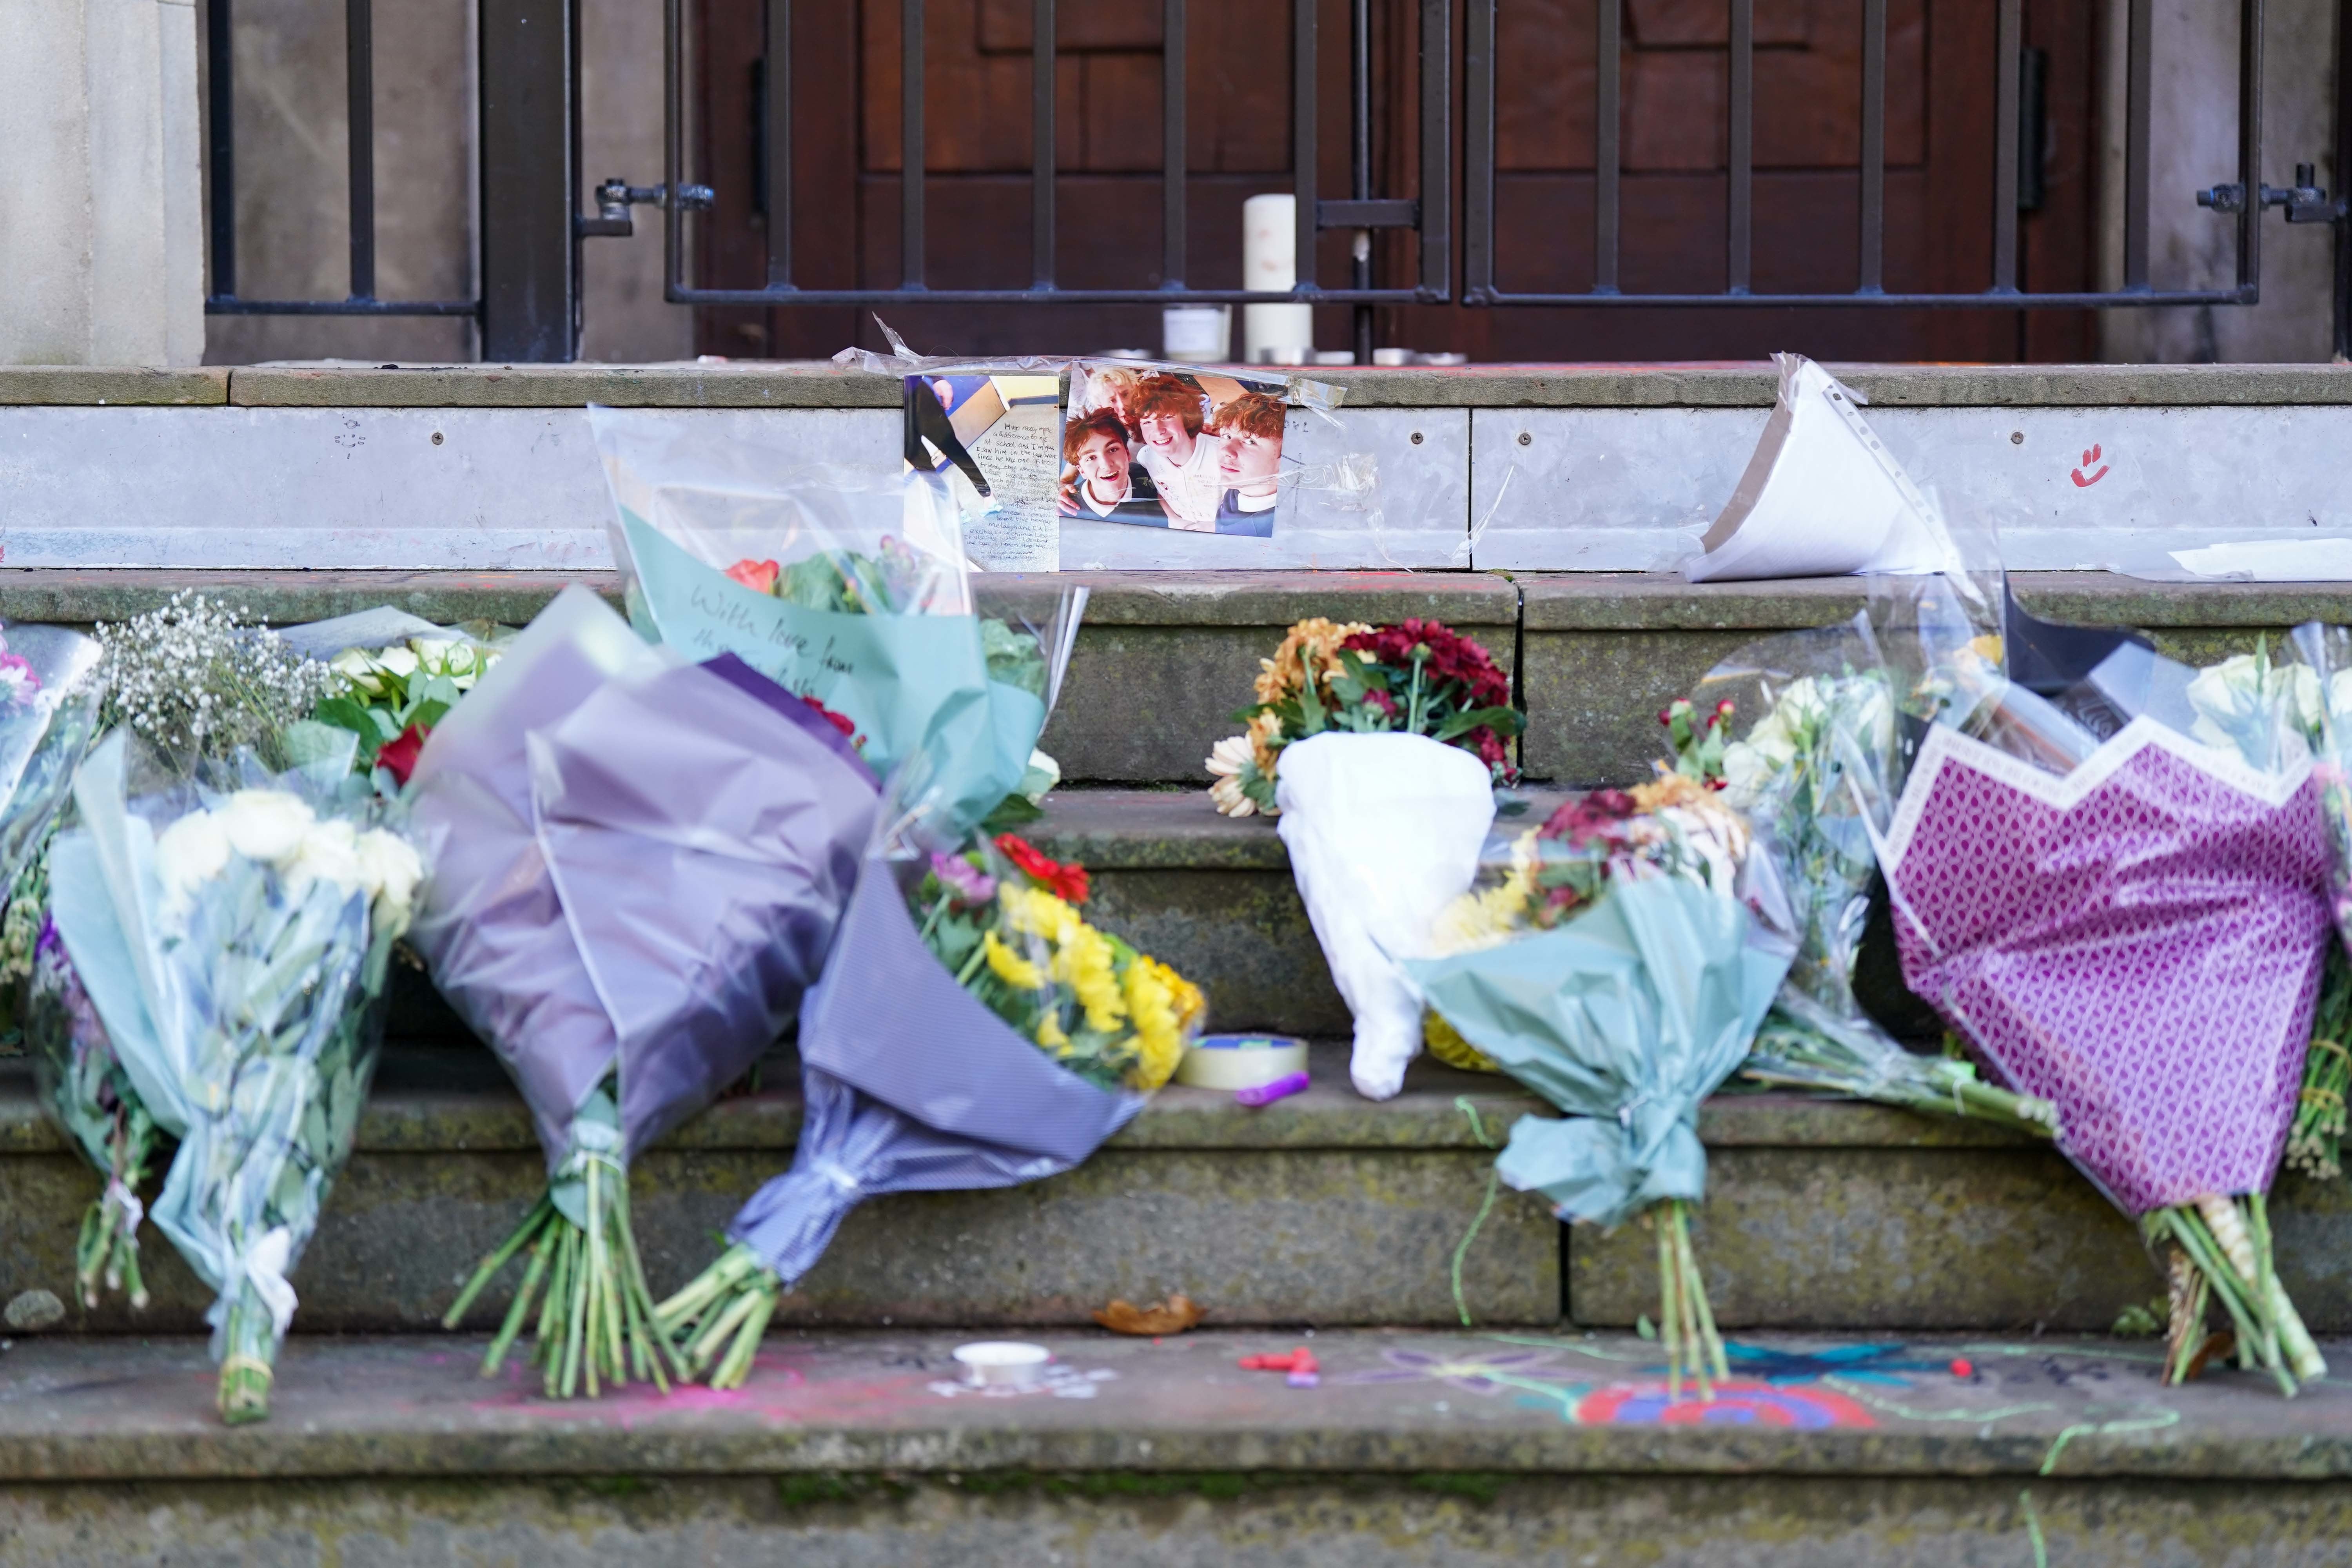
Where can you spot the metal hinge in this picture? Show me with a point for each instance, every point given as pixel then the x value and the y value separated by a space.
pixel 615 197
pixel 2305 202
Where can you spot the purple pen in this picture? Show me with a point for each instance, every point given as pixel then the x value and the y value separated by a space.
pixel 1267 1093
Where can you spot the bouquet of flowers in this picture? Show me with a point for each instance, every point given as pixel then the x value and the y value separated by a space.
pixel 231 932
pixel 2138 938
pixel 1617 960
pixel 390 694
pixel 845 586
pixel 1417 678
pixel 629 939
pixel 1815 776
pixel 1381 750
pixel 971 1030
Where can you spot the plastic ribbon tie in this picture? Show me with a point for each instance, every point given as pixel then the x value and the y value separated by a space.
pixel 263 1265
pixel 127 1201
pixel 836 1173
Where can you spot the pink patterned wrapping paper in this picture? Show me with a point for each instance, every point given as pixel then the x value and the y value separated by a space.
pixel 2140 942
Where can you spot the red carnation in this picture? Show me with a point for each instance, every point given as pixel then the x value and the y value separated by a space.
pixel 398 756
pixel 1065 882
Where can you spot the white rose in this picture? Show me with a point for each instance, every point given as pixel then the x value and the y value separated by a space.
pixel 328 853
pixel 1745 771
pixel 390 870
pixel 2339 695
pixel 436 655
pixel 192 850
pixel 1799 710
pixel 354 665
pixel 264 825
pixel 462 659
pixel 398 660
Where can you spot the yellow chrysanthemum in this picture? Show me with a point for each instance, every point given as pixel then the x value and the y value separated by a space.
pixel 1482 917
pixel 1050 1034
pixel 1084 961
pixel 1159 1037
pixel 1010 966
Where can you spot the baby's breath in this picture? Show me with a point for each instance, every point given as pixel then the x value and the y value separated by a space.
pixel 195 678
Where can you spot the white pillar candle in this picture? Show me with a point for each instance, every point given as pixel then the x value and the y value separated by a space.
pixel 1270 261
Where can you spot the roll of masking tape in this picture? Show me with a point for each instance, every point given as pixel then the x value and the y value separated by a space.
pixel 1241 1061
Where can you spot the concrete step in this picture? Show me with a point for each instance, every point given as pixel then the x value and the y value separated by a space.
pixel 1415 1448
pixel 1165 657
pixel 1323 1209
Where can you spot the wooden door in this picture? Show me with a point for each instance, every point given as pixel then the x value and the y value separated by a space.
pixel 1939 148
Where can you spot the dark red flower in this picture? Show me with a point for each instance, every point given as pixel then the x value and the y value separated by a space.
pixel 841 721
pixel 398 756
pixel 1595 815
pixel 1067 883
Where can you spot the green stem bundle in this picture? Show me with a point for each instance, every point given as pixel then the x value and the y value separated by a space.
pixel 1790 1052
pixel 717 1321
pixel 595 1320
pixel 1685 1322
pixel 2220 1248
pixel 2314 1143
pixel 105 1254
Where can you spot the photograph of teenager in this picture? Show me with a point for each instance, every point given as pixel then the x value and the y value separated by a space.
pixel 1099 478
pixel 1168 415
pixel 1246 433
pixel 1096 388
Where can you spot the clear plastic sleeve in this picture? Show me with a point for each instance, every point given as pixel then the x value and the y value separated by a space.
pixel 843 586
pixel 232 933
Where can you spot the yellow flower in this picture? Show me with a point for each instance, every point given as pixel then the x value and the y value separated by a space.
pixel 1050 1036
pixel 1159 1037
pixel 1084 961
pixel 1486 917
pixel 1011 967
pixel 1264 737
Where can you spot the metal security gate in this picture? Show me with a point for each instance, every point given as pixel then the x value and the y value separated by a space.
pixel 531 226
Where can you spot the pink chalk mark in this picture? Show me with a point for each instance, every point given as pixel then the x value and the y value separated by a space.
pixel 2088 459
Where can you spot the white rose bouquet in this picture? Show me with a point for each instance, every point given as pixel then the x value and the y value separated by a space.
pixel 231 934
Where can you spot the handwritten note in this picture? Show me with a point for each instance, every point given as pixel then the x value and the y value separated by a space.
pixel 1017 529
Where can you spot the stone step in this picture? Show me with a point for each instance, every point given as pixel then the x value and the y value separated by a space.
pixel 1415 1448
pixel 1325 1208
pixel 1165 657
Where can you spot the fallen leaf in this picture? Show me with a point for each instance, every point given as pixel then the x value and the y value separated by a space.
pixel 1173 1316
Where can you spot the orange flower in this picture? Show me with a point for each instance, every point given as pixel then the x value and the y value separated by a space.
pixel 760 576
pixel 1313 644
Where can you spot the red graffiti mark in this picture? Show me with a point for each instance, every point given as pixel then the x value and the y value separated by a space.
pixel 2088 459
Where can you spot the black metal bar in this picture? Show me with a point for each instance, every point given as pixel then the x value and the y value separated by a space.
pixel 222 305
pixel 1384 212
pixel 220 108
pixel 2342 180
pixel 1041 136
pixel 359 78
pixel 1172 146
pixel 1610 64
pixel 2138 84
pixel 1360 114
pixel 1436 69
pixel 1740 215
pixel 2087 299
pixel 2250 147
pixel 1060 297
pixel 2008 82
pixel 1478 153
pixel 911 142
pixel 1302 137
pixel 529 185
pixel 1871 267
pixel 674 149
pixel 776 139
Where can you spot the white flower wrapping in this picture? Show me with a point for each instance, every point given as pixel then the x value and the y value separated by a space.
pixel 1384 832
